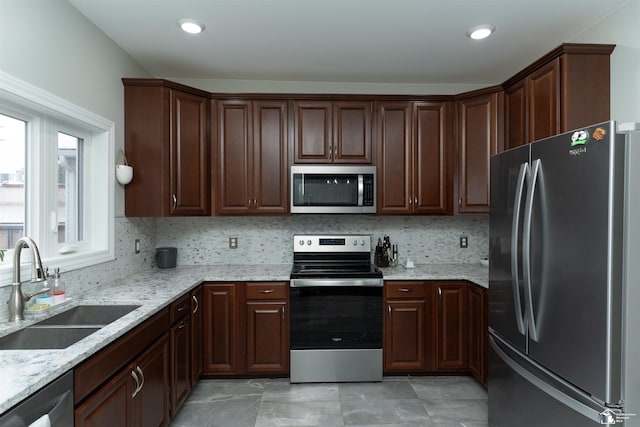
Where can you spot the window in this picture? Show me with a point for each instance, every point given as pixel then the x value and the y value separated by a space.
pixel 56 179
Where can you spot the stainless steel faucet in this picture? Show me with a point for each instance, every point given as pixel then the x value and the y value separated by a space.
pixel 17 298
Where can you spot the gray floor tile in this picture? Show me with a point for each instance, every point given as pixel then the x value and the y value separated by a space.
pixel 448 388
pixel 285 392
pixel 300 414
pixel 395 402
pixel 377 391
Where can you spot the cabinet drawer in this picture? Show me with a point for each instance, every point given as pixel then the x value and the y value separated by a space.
pixel 404 289
pixel 267 291
pixel 180 308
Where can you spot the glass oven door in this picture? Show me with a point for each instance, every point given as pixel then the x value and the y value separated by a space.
pixel 336 317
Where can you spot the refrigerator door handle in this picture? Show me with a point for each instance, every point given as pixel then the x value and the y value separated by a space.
pixel 526 253
pixel 596 412
pixel 515 225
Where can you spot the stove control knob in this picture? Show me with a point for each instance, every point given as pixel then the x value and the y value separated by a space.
pixel 309 242
pixel 301 242
pixel 355 242
pixel 362 242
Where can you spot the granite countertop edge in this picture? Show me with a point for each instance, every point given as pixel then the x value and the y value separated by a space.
pixel 27 371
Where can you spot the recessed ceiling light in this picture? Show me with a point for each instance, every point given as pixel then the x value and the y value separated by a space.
pixel 481 31
pixel 191 26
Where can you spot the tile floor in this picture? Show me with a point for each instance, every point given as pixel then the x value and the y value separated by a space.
pixel 395 402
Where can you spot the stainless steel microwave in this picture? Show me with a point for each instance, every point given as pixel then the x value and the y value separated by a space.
pixel 333 189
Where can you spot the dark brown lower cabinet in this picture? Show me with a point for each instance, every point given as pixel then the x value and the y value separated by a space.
pixel 435 327
pixel 138 395
pixel 267 323
pixel 451 325
pixel 197 310
pixel 180 363
pixel 246 329
pixel 478 334
pixel 404 326
pixel 220 328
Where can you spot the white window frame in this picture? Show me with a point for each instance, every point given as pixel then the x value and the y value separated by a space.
pixel 47 114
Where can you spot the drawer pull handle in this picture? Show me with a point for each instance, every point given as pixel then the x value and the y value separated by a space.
pixel 283 313
pixel 174 200
pixel 195 310
pixel 389 311
pixel 183 307
pixel 141 376
pixel 135 378
pixel 405 290
pixel 181 325
pixel 266 291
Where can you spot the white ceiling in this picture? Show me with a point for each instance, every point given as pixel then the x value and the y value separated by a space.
pixel 374 41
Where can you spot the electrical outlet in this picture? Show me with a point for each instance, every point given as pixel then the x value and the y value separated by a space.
pixel 233 243
pixel 137 246
pixel 464 242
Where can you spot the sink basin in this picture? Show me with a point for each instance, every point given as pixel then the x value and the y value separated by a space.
pixel 88 315
pixel 34 338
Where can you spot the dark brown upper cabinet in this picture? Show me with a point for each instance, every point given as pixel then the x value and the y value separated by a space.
pixel 566 89
pixel 414 157
pixel 478 141
pixel 252 157
pixel 167 142
pixel 332 132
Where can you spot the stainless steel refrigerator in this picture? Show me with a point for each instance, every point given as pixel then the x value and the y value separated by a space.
pixel 564 281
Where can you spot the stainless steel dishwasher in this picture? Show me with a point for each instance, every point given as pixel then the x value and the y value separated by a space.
pixel 53 405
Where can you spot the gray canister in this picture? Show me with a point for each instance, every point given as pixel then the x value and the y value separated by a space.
pixel 166 257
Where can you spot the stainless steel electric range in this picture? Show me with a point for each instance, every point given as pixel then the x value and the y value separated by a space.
pixel 336 310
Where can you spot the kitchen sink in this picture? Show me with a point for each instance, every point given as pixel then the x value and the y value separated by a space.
pixel 64 329
pixel 88 315
pixel 34 338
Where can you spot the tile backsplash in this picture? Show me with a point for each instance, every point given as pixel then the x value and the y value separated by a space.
pixel 269 240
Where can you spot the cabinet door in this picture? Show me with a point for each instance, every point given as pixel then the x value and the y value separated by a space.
pixel 515 111
pixel 235 157
pixel 151 403
pixel 404 343
pixel 180 363
pixel 478 142
pixel 190 181
pixel 352 132
pixel 452 327
pixel 477 343
pixel 270 164
pixel 432 178
pixel 267 337
pixel 110 406
pixel 220 329
pixel 543 97
pixel 312 132
pixel 197 308
pixel 393 144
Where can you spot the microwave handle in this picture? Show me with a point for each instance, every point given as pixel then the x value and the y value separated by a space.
pixel 360 190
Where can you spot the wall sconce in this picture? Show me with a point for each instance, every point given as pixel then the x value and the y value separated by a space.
pixel 124 172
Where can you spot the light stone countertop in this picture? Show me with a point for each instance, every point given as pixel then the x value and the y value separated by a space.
pixel 26 371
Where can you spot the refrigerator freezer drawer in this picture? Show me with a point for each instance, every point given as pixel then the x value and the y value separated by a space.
pixel 524 394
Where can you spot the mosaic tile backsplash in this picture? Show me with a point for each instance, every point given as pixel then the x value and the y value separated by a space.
pixel 269 240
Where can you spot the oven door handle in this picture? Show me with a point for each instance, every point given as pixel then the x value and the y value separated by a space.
pixel 307 283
